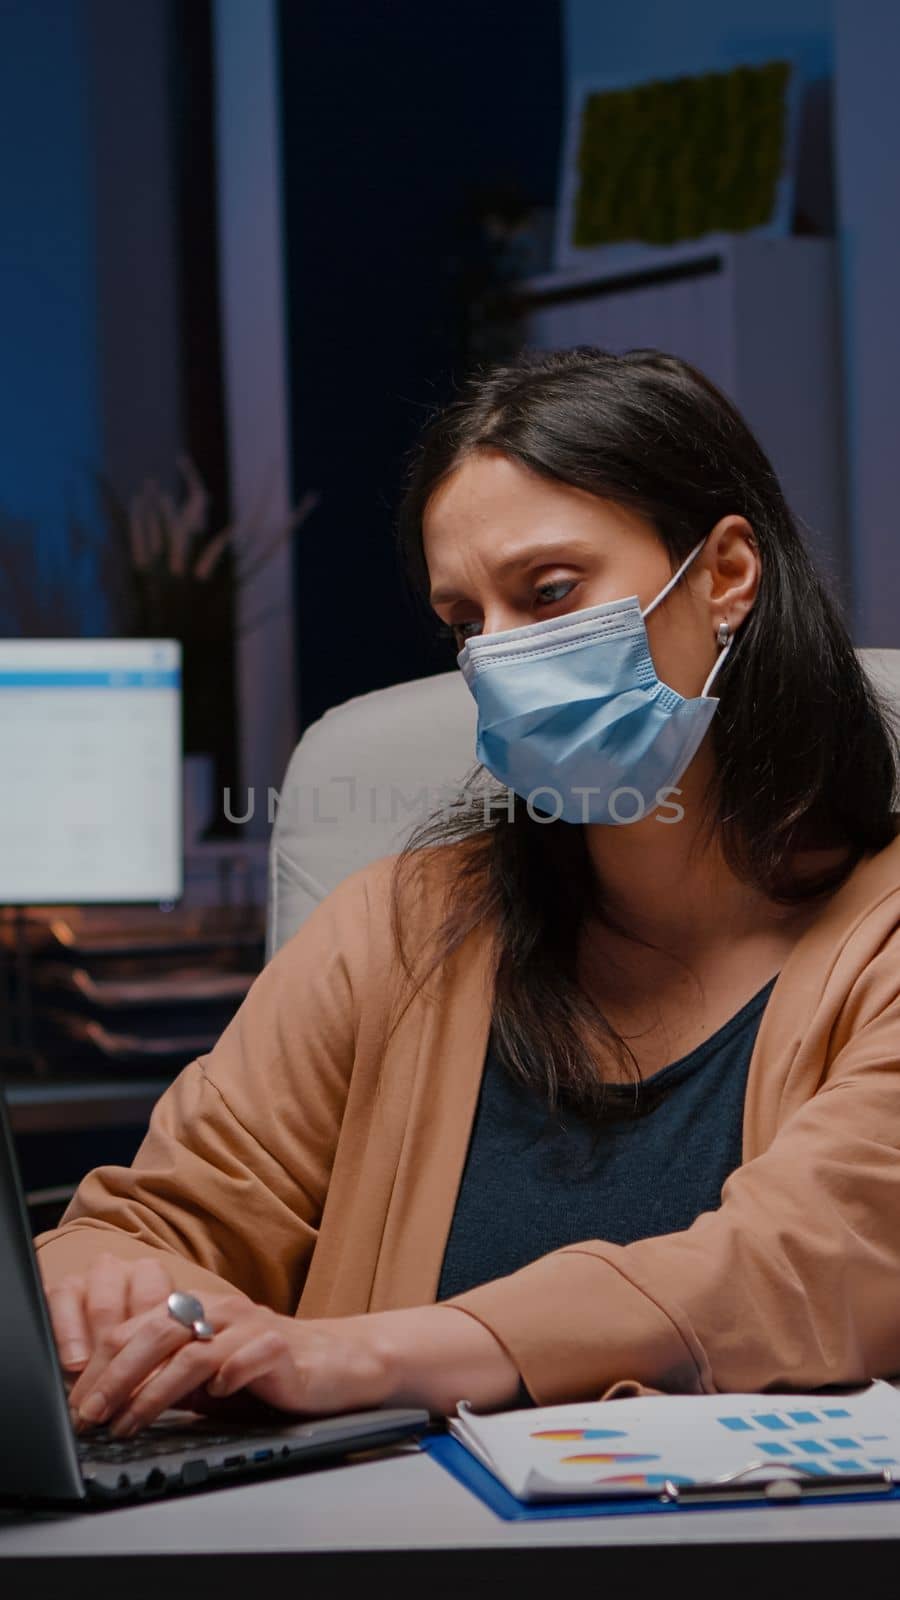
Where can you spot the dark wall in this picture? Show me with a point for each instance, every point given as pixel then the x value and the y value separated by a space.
pixel 209 659
pixel 393 114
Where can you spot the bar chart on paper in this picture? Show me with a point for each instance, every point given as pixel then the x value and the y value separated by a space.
pixel 786 1436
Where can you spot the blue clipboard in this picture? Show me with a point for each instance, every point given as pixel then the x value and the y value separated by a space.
pixel 463 1466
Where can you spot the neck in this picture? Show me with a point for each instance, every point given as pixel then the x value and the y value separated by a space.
pixel 668 881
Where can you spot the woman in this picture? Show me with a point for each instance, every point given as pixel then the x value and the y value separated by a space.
pixel 595 1091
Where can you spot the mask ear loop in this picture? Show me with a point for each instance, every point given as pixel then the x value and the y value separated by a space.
pixel 715 667
pixel 662 595
pixel 673 580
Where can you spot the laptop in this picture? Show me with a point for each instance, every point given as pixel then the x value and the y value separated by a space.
pixel 44 1462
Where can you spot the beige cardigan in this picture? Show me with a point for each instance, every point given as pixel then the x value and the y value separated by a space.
pixel 317 1170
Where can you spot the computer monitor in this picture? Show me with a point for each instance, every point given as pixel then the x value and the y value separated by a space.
pixel 90 771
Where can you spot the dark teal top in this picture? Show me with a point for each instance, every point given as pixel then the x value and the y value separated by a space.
pixel 534 1181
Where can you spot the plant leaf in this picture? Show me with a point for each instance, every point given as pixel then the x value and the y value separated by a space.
pixel 253 564
pixel 211 554
pixel 174 537
pixel 138 534
pixel 188 520
pixel 195 508
pixel 153 526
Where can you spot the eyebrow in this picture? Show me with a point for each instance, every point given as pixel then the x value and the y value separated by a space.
pixel 439 597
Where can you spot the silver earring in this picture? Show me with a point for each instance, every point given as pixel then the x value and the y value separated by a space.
pixel 723 634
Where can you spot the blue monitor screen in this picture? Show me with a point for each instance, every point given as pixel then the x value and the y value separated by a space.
pixel 90 757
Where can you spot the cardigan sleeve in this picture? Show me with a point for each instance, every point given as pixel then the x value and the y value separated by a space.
pixel 230 1179
pixel 792 1283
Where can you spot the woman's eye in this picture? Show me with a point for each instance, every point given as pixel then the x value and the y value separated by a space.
pixel 547 594
pixel 457 631
pixel 461 630
pixel 547 590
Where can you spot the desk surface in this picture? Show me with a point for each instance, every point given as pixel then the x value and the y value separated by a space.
pixel 403 1517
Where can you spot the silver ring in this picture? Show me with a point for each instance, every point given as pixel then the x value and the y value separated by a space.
pixel 188 1310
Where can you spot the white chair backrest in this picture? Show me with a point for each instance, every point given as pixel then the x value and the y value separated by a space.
pixel 364 775
pixel 359 781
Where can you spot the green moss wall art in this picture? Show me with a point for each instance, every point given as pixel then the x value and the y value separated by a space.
pixel 660 163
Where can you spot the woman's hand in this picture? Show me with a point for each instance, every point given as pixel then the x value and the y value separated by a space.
pixel 144 1362
pixel 134 1360
pixel 86 1309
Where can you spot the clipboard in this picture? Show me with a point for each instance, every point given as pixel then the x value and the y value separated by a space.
pixel 739 1494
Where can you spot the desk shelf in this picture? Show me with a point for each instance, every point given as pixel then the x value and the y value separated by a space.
pixel 66 1104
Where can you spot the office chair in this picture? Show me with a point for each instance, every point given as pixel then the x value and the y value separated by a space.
pixel 369 770
pixel 357 784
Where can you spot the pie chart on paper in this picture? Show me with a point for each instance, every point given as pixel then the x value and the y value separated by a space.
pixel 573 1435
pixel 604 1460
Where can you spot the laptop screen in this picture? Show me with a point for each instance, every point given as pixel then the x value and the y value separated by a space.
pixel 90 744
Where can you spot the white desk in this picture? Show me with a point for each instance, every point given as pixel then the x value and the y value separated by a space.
pixel 401 1526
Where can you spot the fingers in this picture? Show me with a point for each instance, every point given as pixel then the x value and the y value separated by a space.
pixel 116 1339
pixel 137 1348
pixel 70 1327
pixel 111 1289
pixel 105 1293
pixel 251 1359
pixel 149 1285
pixel 194 1365
pixel 83 1306
pixel 126 1357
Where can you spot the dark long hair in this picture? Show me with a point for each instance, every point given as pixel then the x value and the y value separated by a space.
pixel 805 753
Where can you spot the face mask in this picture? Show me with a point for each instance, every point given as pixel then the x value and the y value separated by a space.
pixel 572 716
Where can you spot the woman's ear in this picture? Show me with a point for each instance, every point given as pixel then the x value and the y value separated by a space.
pixel 732 560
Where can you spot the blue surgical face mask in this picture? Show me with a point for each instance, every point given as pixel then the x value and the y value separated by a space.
pixel 572 716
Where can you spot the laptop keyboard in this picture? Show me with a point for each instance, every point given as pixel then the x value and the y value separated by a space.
pixel 101 1446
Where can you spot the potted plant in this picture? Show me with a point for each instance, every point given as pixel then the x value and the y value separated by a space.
pixel 177 577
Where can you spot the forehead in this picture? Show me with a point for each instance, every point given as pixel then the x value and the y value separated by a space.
pixel 492 507
pixel 488 488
